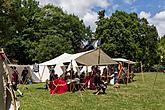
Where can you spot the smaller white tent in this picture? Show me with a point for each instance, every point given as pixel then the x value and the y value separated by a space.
pixel 40 76
pixel 43 74
pixel 123 60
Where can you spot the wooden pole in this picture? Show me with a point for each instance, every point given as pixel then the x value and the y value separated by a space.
pixel 99 57
pixel 128 72
pixel 71 72
pixel 86 70
pixel 142 71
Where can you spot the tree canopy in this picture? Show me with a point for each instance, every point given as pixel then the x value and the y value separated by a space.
pixel 35 34
pixel 127 36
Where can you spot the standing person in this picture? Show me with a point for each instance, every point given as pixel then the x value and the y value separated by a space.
pixel 24 75
pixel 15 80
pixel 91 83
pixel 52 77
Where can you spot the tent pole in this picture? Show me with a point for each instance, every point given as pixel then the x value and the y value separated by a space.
pixel 71 72
pixel 86 70
pixel 128 72
pixel 99 56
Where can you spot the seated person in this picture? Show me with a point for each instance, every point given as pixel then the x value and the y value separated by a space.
pixel 60 86
pixel 82 76
pixel 99 83
pixel 46 86
pixel 52 77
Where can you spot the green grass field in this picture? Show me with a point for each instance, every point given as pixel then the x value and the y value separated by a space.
pixel 138 95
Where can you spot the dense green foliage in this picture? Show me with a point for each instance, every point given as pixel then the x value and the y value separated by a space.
pixel 30 33
pixel 35 34
pixel 137 95
pixel 125 35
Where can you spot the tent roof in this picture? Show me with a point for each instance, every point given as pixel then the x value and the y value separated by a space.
pixel 64 58
pixel 57 60
pixel 123 60
pixel 95 57
pixel 86 58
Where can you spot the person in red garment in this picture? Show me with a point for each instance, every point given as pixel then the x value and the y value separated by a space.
pixel 60 86
pixel 15 80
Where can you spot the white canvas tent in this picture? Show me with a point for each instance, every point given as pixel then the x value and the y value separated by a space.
pixel 43 73
pixel 85 58
pixel 60 59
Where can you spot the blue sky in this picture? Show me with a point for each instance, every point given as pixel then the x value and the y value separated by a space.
pixel 152 10
pixel 152 6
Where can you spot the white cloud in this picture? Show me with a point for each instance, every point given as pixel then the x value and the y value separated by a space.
pixel 90 19
pixel 160 16
pixel 129 1
pixel 158 20
pixel 144 15
pixel 81 8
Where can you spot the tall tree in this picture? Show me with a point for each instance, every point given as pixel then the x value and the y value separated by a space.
pixel 31 30
pixel 67 29
pixel 125 35
pixel 20 27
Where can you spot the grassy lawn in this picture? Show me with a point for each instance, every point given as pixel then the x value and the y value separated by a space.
pixel 138 95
